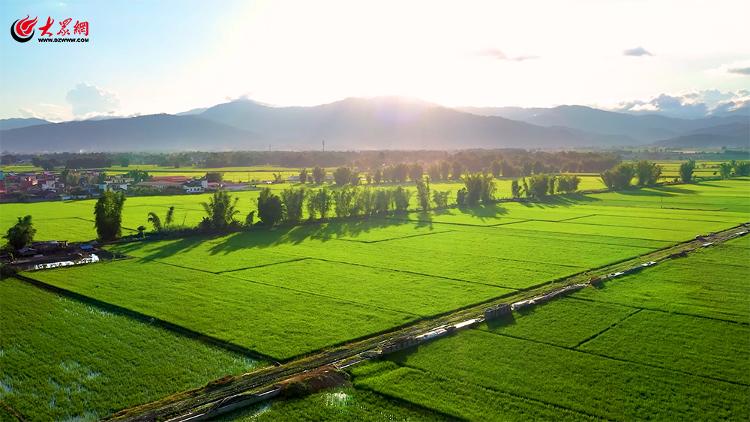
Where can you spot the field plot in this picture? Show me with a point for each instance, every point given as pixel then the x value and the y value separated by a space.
pixel 374 287
pixel 268 320
pixel 583 356
pixel 64 360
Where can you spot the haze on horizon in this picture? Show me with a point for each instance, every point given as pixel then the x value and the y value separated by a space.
pixel 173 56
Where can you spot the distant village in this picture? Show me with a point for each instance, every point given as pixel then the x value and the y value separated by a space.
pixel 83 184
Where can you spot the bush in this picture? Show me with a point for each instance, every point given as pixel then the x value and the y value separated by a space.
pixel 478 187
pixel 220 211
pixel 568 183
pixel 292 201
pixel 538 186
pixel 440 198
pixel 401 198
pixel 423 194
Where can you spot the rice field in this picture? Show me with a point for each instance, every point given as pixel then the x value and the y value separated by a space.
pixel 611 353
pixel 593 355
pixel 61 359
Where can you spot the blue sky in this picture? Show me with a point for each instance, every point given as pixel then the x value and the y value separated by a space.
pixel 169 56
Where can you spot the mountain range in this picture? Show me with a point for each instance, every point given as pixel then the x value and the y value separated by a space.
pixel 372 123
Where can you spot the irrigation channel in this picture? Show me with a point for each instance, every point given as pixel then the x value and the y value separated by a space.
pixel 231 393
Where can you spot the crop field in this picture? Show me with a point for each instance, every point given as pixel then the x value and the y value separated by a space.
pixel 282 293
pixel 595 355
pixel 65 360
pixel 256 289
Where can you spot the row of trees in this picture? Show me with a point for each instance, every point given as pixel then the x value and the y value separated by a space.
pixel 734 168
pixel 647 173
pixel 541 185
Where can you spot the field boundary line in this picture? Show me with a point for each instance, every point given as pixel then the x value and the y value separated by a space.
pixel 611 326
pixel 521 397
pixel 353 302
pixel 415 273
pixel 452 223
pixel 629 361
pixel 263 265
pixel 409 403
pixel 382 240
pixel 571 218
pixel 663 311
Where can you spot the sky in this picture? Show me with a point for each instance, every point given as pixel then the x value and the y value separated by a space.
pixel 147 57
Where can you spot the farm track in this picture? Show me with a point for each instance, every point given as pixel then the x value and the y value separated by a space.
pixel 208 401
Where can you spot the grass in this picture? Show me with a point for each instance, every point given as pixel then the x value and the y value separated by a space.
pixel 64 360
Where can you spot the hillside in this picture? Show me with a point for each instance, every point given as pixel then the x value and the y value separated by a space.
pixel 16 123
pixel 733 135
pixel 644 128
pixel 159 132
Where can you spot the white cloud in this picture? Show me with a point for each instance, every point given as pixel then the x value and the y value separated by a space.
pixel 85 99
pixel 689 105
pixel 498 54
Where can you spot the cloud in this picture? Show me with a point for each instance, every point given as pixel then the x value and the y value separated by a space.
pixel 690 105
pixel 739 70
pixel 50 112
pixel 86 99
pixel 498 54
pixel 637 51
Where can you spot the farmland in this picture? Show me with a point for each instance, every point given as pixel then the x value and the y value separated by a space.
pixel 63 359
pixel 275 295
pixel 587 357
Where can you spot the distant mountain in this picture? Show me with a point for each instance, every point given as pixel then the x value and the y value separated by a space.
pixel 16 123
pixel 158 132
pixel 731 135
pixel 645 128
pixel 393 123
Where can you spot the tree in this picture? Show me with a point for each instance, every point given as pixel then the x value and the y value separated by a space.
pixel 383 201
pixel 342 176
pixel 686 171
pixel 318 175
pixel 303 176
pixel 293 200
pixel 155 221
pixel 434 172
pixel 170 217
pixel 741 168
pixel 725 170
pixel 647 172
pixel 278 178
pixel 319 203
pixel 141 231
pixel 344 200
pixel 21 234
pixel 108 215
pixel 400 172
pixel 214 177
pixel 479 187
pixel 416 172
pixel 221 210
pixel 137 175
pixel 423 193
pixel 401 198
pixel 496 168
pixel 461 197
pixel 515 190
pixel 445 170
pixel 377 176
pixel 270 208
pixel 456 170
pixel 538 186
pixel 440 198
pixel 619 176
pixel 568 183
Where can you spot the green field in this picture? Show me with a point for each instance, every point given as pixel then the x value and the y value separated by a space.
pixel 586 357
pixel 602 353
pixel 65 360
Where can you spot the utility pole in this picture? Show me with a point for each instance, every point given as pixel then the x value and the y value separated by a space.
pixel 324 145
